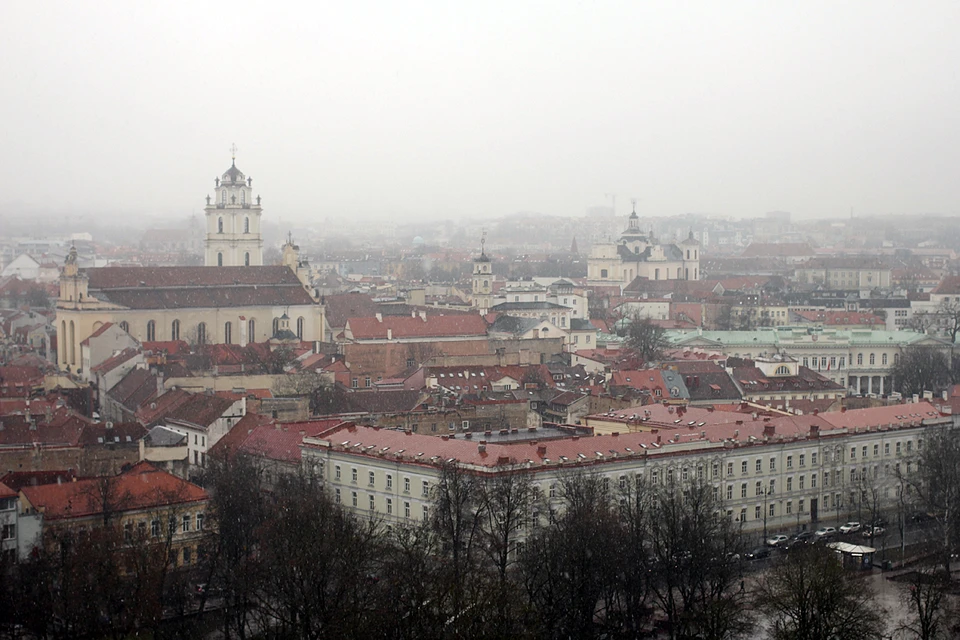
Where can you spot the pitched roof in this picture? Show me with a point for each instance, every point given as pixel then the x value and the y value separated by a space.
pixel 142 487
pixel 468 325
pixel 135 388
pixel 183 406
pixel 339 308
pixel 115 360
pixel 99 332
pixel 950 285
pixel 197 287
pixel 263 437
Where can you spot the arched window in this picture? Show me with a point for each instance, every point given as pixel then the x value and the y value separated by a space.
pixel 783 371
pixel 151 331
pixel 246 225
pixel 251 330
pixel 73 344
pixel 276 326
pixel 202 333
pixel 228 333
pixel 175 330
pixel 859 358
pixel 220 221
pixel 896 358
pixel 246 259
pixel 63 340
pixel 219 259
pixel 883 359
pixel 873 358
pixel 300 327
pixel 125 326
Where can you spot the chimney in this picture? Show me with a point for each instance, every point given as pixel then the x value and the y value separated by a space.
pixel 389 334
pixel 379 317
pixel 542 450
pixel 843 409
pixel 482 447
pixel 816 412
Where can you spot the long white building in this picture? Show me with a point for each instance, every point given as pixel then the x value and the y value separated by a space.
pixel 778 473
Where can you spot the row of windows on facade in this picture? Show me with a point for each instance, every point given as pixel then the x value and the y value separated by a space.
pixel 246 225
pixel 202 330
pixel 685 474
pixel 604 273
pixel 824 362
pixel 186 524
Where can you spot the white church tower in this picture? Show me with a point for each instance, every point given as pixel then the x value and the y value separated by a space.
pixel 233 222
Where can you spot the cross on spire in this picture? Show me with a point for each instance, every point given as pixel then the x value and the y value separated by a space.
pixel 233 151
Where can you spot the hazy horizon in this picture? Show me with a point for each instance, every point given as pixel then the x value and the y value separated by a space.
pixel 428 110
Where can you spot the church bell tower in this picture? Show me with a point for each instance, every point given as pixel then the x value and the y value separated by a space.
pixel 233 221
pixel 482 280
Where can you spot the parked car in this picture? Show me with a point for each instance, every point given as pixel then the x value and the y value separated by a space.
pixel 850 527
pixel 758 553
pixel 873 532
pixel 825 531
pixel 775 541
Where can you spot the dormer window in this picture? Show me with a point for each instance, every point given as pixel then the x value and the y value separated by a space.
pixel 783 370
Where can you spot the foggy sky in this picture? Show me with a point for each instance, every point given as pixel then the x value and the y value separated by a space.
pixel 467 109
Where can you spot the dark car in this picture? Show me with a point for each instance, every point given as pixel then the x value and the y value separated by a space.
pixel 799 540
pixel 758 553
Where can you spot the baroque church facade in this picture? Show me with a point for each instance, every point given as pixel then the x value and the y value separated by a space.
pixel 235 299
pixel 638 255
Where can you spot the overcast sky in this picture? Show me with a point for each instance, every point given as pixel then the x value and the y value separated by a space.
pixel 467 109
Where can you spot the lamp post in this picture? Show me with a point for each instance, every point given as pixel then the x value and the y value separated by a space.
pixel 766 492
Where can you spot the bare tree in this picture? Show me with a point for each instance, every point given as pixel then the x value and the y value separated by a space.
pixel 932 616
pixel 809 595
pixel 695 550
pixel 948 318
pixel 921 369
pixel 646 338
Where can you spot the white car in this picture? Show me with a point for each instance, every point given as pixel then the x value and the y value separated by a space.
pixel 850 527
pixel 825 531
pixel 775 541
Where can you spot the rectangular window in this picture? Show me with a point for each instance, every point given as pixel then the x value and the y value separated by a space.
pixel 756 513
pixel 373 503
pixel 336 495
pixel 863 452
pixel 743 490
pixel 371 478
pixel 426 512
pixel 185 525
pixel 355 499
pixel 773 464
pixel 790 484
pixel 743 467
pixel 336 472
pixel 789 506
pixel 789 462
pixel 389 506
pixel 729 492
pixel 389 481
pixel 803 460
pixel 813 458
pixel 773 510
pixel 353 473
pixel 425 489
pixel 406 485
pixel 759 465
pixel 729 469
pixel 886 448
pixel 876 450
pixel 909 446
pixel 853 453
pixel 802 478
pixel 898 448
pixel 813 481
pixel 155 528
pixel 406 509
pixel 187 555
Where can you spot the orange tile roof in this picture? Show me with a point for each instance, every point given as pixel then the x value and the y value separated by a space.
pixel 142 487
pixel 410 327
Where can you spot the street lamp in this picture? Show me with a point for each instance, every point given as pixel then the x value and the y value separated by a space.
pixel 766 492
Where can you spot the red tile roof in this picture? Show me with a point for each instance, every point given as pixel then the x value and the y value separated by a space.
pixel 177 404
pixel 142 487
pixel 115 361
pixel 263 437
pixel 467 325
pixel 7 492
pixel 777 250
pixel 950 285
pixel 671 428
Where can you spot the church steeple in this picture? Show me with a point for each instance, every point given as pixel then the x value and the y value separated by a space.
pixel 233 220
